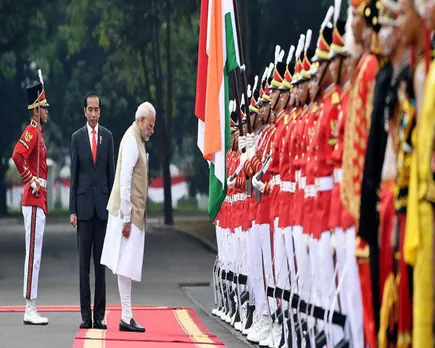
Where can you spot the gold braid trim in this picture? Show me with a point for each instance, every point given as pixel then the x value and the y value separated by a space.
pixel 353 166
pixel 390 299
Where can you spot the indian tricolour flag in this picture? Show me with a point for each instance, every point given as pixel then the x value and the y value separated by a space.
pixel 217 56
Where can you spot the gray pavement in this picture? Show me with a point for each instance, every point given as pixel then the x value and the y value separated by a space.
pixel 177 271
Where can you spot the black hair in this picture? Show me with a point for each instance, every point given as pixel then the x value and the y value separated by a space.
pixel 90 95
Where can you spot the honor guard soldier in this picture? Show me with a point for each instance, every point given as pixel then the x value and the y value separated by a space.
pixel 30 157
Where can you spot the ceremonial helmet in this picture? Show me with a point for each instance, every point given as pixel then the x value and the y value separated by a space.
pixel 325 38
pixel 279 69
pixel 298 62
pixel 339 32
pixel 36 94
pixel 289 71
pixel 253 96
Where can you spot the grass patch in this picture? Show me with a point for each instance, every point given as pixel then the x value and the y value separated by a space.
pixel 204 229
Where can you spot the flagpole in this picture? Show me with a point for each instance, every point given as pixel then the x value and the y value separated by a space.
pixel 242 63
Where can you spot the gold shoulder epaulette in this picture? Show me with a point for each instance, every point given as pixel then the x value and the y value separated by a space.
pixel 335 98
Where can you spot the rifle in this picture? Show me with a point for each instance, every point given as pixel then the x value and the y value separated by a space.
pixel 259 176
pixel 242 60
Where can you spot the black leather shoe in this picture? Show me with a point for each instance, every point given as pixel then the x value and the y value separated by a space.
pixel 86 324
pixel 99 324
pixel 132 327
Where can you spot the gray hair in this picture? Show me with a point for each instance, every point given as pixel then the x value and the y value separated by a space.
pixel 144 110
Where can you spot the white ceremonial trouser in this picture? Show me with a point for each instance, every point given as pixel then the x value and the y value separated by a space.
pixel 254 251
pixel 266 250
pixel 280 258
pixel 327 281
pixel 353 291
pixel 34 224
pixel 219 241
pixel 124 286
pixel 303 261
pixel 256 270
pixel 289 248
pixel 243 252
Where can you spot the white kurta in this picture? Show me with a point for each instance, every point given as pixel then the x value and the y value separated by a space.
pixel 122 255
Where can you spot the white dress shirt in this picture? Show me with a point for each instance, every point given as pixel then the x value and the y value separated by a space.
pixel 90 133
pixel 130 155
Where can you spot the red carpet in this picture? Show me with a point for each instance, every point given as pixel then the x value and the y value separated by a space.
pixel 165 328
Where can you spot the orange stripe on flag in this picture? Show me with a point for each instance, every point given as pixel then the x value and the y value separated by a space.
pixel 215 74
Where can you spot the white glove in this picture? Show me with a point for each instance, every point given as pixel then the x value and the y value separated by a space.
pixel 231 183
pixel 258 184
pixel 250 140
pixel 242 143
pixel 36 186
pixel 250 152
pixel 243 158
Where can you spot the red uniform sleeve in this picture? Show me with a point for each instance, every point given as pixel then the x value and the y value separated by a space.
pixel 256 164
pixel 248 169
pixel 22 150
pixel 241 182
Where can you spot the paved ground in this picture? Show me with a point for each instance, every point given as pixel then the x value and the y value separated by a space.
pixel 176 272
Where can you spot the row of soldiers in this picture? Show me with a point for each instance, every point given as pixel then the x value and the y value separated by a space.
pixel 325 236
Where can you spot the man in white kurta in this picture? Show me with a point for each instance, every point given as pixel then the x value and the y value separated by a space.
pixel 125 236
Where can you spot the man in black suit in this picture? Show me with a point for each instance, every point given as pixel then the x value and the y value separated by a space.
pixel 92 175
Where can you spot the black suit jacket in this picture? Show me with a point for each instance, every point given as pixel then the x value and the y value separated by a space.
pixel 91 183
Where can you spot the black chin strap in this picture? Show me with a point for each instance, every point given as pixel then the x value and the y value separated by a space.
pixel 340 67
pixel 277 101
pixel 321 80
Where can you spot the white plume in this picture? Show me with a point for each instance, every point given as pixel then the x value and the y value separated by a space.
pixel 242 100
pixel 40 77
pixel 248 92
pixel 328 17
pixel 281 56
pixel 264 74
pixel 308 40
pixel 300 46
pixel 290 54
pixel 337 9
pixel 234 105
pixel 255 83
pixel 230 107
pixel 270 69
pixel 277 50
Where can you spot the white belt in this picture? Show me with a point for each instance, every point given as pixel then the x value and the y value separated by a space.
pixel 276 180
pixel 42 182
pixel 303 182
pixel 285 186
pixel 310 191
pixel 338 175
pixel 239 197
pixel 325 183
pixel 292 187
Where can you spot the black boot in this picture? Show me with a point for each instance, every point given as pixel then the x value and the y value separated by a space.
pixel 250 317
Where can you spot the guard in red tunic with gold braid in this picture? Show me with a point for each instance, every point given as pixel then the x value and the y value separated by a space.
pixel 340 221
pixel 355 143
pixel 258 151
pixel 30 157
